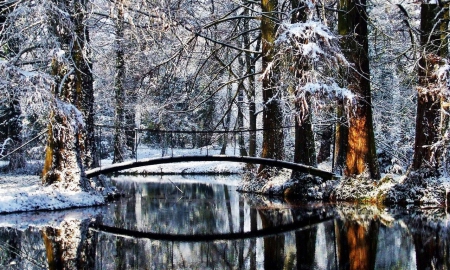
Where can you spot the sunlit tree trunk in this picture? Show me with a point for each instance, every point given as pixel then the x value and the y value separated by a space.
pixel 360 155
pixel 273 140
pixel 431 97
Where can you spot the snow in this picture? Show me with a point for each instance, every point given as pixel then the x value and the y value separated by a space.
pixel 21 193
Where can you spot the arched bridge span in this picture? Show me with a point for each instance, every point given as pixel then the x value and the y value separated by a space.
pixel 242 159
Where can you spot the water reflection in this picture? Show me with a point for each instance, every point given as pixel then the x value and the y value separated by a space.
pixel 210 226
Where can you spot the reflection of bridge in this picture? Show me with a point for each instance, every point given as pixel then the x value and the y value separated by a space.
pixel 252 160
pixel 280 229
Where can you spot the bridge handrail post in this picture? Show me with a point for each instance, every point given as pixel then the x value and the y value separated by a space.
pixel 136 143
pixel 100 151
pixel 241 140
pixel 161 143
pixel 207 144
pixel 171 141
pixel 234 137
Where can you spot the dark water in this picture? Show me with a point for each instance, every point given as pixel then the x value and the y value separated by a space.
pixel 210 226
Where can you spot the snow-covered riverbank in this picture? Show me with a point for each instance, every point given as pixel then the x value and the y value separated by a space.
pixel 21 192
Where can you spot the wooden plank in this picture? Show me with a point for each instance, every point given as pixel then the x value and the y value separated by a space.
pixel 253 160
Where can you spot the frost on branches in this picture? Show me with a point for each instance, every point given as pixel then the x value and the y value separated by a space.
pixel 21 93
pixel 316 57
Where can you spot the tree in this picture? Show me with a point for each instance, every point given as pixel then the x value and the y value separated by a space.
pixel 273 135
pixel 304 152
pixel 119 91
pixel 65 147
pixel 360 154
pixel 10 110
pixel 307 53
pixel 432 90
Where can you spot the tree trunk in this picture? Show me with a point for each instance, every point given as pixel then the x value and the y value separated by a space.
pixel 240 120
pixel 273 138
pixel 304 149
pixel 14 130
pixel 325 140
pixel 119 92
pixel 250 61
pixel 65 146
pixel 341 139
pixel 81 55
pixel 226 123
pixel 430 124
pixel 361 155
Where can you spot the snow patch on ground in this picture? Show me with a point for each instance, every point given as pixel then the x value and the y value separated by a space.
pixel 20 193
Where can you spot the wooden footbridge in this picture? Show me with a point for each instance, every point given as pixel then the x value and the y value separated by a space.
pixel 242 159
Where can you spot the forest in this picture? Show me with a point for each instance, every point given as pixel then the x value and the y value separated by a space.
pixel 359 85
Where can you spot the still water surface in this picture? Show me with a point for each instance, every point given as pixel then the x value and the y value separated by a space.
pixel 208 225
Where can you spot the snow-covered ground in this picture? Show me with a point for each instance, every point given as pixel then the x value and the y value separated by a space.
pixel 19 193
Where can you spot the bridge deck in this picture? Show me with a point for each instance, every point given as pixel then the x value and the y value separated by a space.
pixel 253 160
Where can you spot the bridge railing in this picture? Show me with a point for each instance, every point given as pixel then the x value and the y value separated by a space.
pixel 152 143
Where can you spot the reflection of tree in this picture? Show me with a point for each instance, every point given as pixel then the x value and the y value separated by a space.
pixel 431 241
pixel 305 241
pixel 357 236
pixel 362 243
pixel 273 245
pixel 63 245
pixel 21 248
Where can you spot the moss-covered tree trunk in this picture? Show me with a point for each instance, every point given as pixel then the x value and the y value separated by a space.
pixel 360 155
pixel 66 151
pixel 431 97
pixel 273 140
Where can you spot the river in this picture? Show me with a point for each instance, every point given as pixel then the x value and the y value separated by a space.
pixel 201 222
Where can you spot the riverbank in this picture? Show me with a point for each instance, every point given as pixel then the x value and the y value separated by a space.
pixel 23 191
